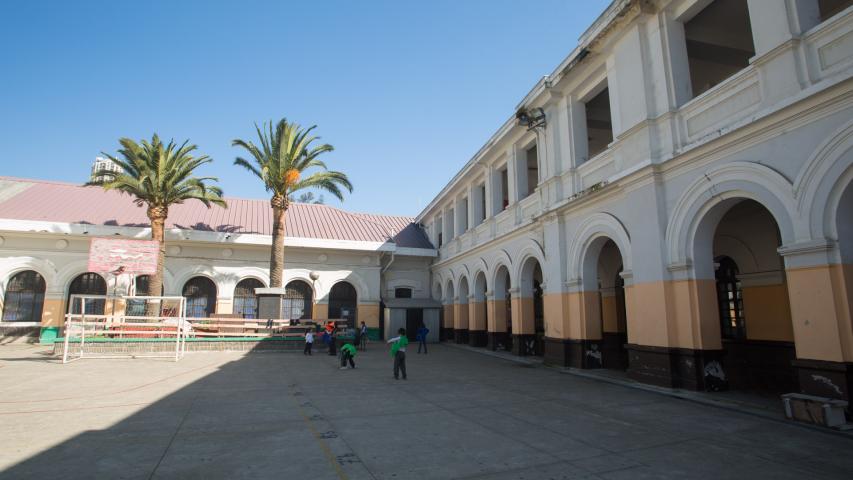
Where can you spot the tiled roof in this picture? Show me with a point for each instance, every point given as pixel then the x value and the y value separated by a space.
pixel 68 203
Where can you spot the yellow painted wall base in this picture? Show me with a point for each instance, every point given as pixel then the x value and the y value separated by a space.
pixel 477 315
pixel 821 312
pixel 768 313
pixel 320 311
pixel 369 314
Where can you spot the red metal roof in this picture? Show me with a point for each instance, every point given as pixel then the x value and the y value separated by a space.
pixel 69 203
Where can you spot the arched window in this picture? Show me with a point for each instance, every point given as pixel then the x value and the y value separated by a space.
pixel 298 301
pixel 88 283
pixel 343 303
pixel 730 300
pixel 245 300
pixel 24 297
pixel 200 293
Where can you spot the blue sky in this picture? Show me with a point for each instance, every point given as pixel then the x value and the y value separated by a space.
pixel 406 91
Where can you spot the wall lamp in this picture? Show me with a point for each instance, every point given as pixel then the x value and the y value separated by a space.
pixel 533 118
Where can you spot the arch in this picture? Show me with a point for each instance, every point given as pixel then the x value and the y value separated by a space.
pixel 67 273
pixel 481 286
pixel 187 274
pixel 200 293
pixel 479 266
pixel 464 291
pixel 502 259
pixel 462 272
pixel 10 266
pixel 23 297
pixel 245 300
pixel 726 185
pixel 821 180
pixel 298 300
pixel 87 283
pixel 260 274
pixel 530 250
pixel 591 236
pixel 437 291
pixel 501 281
pixel 343 302
pixel 449 292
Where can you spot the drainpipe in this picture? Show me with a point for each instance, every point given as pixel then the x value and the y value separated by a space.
pixel 384 269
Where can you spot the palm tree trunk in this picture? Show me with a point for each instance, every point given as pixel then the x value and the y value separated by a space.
pixel 279 208
pixel 157 216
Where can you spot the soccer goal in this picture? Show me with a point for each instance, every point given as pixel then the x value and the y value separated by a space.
pixel 100 326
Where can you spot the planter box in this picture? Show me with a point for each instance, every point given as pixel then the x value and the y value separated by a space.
pixel 822 411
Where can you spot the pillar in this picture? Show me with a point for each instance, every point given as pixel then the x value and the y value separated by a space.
pixel 476 322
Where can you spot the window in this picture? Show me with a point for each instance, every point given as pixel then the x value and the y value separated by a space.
pixel 439 229
pixel 830 8
pixel 481 211
pixel 298 301
pixel 24 298
pixel 532 165
pixel 89 283
pixel 245 300
pixel 599 126
pixel 451 220
pixel 730 300
pixel 463 215
pixel 719 43
pixel 504 188
pixel 402 292
pixel 200 293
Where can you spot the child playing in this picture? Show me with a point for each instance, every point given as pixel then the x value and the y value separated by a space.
pixel 347 353
pixel 398 352
pixel 309 342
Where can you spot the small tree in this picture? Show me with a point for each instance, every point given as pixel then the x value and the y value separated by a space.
pixel 158 176
pixel 281 161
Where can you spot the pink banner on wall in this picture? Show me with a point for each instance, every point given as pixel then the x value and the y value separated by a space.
pixel 137 257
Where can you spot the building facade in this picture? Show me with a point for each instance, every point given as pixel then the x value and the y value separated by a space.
pixel 675 200
pixel 338 265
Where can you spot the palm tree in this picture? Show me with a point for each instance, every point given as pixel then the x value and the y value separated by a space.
pixel 159 176
pixel 281 161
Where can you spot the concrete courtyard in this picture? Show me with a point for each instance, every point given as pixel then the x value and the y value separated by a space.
pixel 459 415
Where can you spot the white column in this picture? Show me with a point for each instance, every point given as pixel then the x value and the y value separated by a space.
pixel 512 173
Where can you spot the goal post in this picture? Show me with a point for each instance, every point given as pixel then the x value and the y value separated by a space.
pixel 100 326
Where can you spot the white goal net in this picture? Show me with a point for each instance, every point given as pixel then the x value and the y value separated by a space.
pixel 100 326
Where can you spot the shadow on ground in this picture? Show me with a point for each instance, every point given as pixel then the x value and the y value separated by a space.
pixel 460 415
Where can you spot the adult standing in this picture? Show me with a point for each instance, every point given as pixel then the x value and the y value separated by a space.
pixel 398 352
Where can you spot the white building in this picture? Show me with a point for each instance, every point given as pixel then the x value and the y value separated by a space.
pixel 681 207
pixel 674 200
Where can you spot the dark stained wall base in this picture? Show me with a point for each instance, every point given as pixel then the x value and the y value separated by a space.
pixel 497 341
pixel 446 334
pixel 460 336
pixel 477 338
pixel 524 345
pixel 677 367
pixel 573 353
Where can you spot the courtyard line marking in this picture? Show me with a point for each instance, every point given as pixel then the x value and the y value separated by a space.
pixel 177 430
pixel 323 446
pixel 110 393
pixel 76 408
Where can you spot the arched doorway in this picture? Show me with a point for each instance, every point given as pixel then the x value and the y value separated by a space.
pixel 298 301
pixel 200 294
pixel 136 307
pixel 753 309
pixel 88 283
pixel 245 300
pixel 461 320
pixel 478 317
pixel 23 300
pixel 343 303
pixel 500 327
pixel 531 335
pixel 603 303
